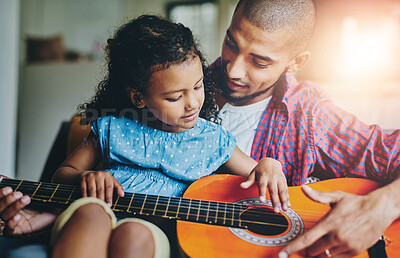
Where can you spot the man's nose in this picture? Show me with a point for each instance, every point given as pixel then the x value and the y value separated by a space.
pixel 236 68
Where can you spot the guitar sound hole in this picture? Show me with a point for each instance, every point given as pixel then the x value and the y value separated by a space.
pixel 264 221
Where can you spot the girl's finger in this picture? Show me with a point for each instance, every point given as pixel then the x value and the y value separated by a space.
pixel 284 196
pixel 119 188
pixel 100 185
pixel 84 187
pixel 249 181
pixel 109 184
pixel 91 186
pixel 273 192
pixel 262 187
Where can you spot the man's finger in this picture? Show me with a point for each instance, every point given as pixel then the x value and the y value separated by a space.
pixel 16 205
pixel 5 191
pixel 328 198
pixel 304 240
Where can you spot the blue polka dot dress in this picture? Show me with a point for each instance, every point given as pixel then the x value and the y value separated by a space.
pixel 150 161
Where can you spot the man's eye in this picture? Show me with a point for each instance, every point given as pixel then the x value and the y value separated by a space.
pixel 230 44
pixel 260 65
pixel 199 87
pixel 174 100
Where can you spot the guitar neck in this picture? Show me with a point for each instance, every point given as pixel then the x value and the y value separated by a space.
pixel 133 204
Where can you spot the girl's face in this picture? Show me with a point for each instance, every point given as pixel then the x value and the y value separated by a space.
pixel 175 96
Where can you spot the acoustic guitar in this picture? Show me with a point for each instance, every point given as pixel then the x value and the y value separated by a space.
pixel 217 218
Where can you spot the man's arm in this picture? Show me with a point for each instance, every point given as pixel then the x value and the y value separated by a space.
pixel 354 223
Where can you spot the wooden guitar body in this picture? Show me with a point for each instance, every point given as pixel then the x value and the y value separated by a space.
pixel 201 240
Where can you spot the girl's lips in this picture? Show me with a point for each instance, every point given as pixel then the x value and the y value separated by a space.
pixel 191 117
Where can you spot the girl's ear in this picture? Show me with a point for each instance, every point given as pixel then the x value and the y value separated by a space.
pixel 136 98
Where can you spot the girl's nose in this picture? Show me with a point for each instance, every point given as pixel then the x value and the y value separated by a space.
pixel 192 102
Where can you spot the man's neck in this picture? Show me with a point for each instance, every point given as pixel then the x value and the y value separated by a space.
pixel 221 100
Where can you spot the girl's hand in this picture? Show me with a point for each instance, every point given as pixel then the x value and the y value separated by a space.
pixel 268 174
pixel 100 184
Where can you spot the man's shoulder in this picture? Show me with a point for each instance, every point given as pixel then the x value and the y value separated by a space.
pixel 307 91
pixel 305 95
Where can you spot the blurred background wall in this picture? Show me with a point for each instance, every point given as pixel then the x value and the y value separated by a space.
pixel 355 58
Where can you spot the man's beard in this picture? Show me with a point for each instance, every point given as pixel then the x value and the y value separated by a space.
pixel 227 92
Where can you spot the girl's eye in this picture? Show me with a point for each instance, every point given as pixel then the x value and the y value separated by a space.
pixel 174 100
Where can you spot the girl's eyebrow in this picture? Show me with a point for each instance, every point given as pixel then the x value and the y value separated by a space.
pixel 174 91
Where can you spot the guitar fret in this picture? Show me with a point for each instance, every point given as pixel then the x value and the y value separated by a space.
pixel 216 217
pixel 130 203
pixel 166 210
pixel 16 188
pixel 198 211
pixel 233 214
pixel 36 189
pixel 69 197
pixel 179 207
pixel 188 212
pixel 226 205
pixel 115 204
pixel 155 206
pixel 208 210
pixel 144 201
pixel 54 192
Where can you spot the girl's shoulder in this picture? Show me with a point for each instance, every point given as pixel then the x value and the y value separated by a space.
pixel 205 125
pixel 109 123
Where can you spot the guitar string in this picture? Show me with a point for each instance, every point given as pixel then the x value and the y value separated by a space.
pixel 250 212
pixel 229 207
pixel 212 204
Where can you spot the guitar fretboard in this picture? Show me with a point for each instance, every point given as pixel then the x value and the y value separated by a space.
pixel 133 204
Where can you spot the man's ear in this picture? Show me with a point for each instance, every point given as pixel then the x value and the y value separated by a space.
pixel 136 98
pixel 299 61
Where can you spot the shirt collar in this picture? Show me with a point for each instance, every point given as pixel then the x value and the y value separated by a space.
pixel 281 95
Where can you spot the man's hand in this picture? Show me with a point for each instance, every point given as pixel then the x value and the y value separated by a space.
pixel 20 220
pixel 354 224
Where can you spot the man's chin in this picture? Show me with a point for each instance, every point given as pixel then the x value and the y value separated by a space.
pixel 233 97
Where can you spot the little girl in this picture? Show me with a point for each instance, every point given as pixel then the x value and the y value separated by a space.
pixel 149 135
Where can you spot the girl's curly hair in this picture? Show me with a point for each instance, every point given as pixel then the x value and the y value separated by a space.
pixel 138 49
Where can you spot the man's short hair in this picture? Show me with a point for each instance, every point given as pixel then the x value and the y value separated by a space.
pixel 297 16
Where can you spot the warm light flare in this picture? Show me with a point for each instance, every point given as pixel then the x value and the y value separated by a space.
pixel 366 52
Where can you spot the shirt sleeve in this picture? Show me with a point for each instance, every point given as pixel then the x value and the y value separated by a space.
pixel 101 128
pixel 95 127
pixel 349 147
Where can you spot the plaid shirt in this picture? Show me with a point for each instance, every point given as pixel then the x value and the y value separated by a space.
pixel 307 133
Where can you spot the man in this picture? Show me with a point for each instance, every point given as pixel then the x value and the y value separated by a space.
pixel 298 125
pixel 272 115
